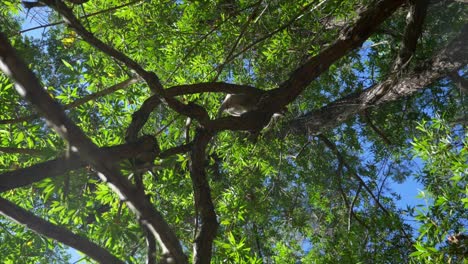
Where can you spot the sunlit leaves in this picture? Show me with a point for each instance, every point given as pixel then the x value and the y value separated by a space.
pixel 443 149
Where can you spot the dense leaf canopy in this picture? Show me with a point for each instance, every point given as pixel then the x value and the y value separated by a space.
pixel 111 141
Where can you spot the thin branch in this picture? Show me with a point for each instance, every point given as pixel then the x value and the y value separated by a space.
pixel 460 82
pixel 194 46
pixel 236 43
pixel 351 206
pixel 203 201
pixel 69 18
pixel 279 29
pixel 59 233
pixel 340 157
pixel 191 110
pixel 27 151
pixel 85 16
pixel 78 102
pixel 28 86
pixel 376 129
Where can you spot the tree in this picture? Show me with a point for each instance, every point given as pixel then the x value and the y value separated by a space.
pixel 441 233
pixel 111 137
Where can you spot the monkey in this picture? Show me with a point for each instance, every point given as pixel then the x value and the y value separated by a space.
pixel 237 104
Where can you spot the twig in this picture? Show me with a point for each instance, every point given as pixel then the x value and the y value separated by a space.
pixel 78 102
pixel 335 150
pixel 86 16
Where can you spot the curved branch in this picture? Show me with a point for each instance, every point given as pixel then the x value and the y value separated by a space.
pixel 28 86
pixel 351 38
pixel 56 232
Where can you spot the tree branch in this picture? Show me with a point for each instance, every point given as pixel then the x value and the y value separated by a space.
pixel 85 16
pixel 203 202
pixel 71 20
pixel 53 168
pixel 27 151
pixel 150 77
pixel 28 86
pixel 59 233
pixel 351 37
pixel 378 131
pixel 413 29
pixel 79 101
pixel 220 68
pixel 451 58
pixel 361 181
pixel 460 82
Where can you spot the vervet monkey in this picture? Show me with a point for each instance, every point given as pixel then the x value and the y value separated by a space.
pixel 237 104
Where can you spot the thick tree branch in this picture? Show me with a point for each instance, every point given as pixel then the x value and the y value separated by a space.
pixel 413 29
pixel 28 86
pixel 450 59
pixel 59 233
pixel 203 202
pixel 350 38
pixel 140 117
pixel 53 168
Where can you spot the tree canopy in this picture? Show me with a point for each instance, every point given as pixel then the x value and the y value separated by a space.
pixel 111 142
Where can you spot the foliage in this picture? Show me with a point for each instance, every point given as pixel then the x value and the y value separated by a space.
pixel 443 150
pixel 280 196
